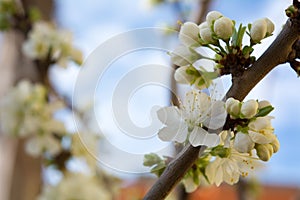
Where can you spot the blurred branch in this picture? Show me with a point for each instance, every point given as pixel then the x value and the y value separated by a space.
pixel 204 6
pixel 276 54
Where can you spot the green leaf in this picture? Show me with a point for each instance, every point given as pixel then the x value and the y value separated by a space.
pixel 151 159
pixel 264 111
pixel 249 27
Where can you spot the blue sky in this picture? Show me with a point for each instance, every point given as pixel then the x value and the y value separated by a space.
pixel 93 22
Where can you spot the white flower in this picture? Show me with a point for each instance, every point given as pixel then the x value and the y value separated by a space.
pixel 38 145
pixel 45 42
pixel 76 186
pixel 223 27
pixel 184 56
pixel 270 26
pixel 258 30
pixel 212 16
pixel 198 110
pixel 206 33
pixel 182 77
pixel 230 168
pixel 233 107
pixel 85 145
pixel 189 184
pixel 263 104
pixel 25 113
pixel 188 34
pixel 261 130
pixel 249 109
pixel 243 142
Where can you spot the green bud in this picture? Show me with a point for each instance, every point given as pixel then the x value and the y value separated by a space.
pixel 264 151
pixel 276 145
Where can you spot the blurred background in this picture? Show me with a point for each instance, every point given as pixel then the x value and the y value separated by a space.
pixel 93 23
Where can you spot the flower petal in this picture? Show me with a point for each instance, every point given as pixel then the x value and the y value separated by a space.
pixel 199 136
pixel 217 116
pixel 243 143
pixel 260 138
pixel 176 133
pixel 169 115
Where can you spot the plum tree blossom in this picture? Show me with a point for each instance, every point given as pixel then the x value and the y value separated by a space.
pixel 26 113
pixel 189 122
pixel 76 186
pixel 45 42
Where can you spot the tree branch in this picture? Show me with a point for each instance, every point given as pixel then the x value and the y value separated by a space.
pixel 276 54
pixel 174 173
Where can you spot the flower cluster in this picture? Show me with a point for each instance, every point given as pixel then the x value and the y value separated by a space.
pixel 26 113
pixel 45 42
pixel 218 34
pixel 230 153
pixel 253 129
pixel 76 186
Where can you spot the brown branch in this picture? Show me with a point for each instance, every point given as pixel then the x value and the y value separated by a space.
pixel 276 54
pixel 174 173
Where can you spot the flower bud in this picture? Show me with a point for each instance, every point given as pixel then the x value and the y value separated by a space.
pixel 243 143
pixel 183 56
pixel 258 30
pixel 223 27
pixel 233 107
pixel 205 33
pixel 276 145
pixel 212 16
pixel 263 104
pixel 249 109
pixel 188 34
pixel 181 75
pixel 264 151
pixel 270 26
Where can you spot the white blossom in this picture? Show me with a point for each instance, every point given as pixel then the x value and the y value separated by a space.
pixel 270 26
pixel 243 142
pixel 223 27
pixel 184 56
pixel 261 130
pixel 26 113
pixel 182 77
pixel 187 122
pixel 188 34
pixel 258 30
pixel 84 145
pixel 76 186
pixel 212 16
pixel 233 107
pixel 263 104
pixel 249 109
pixel 230 168
pixel 206 33
pixel 45 42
